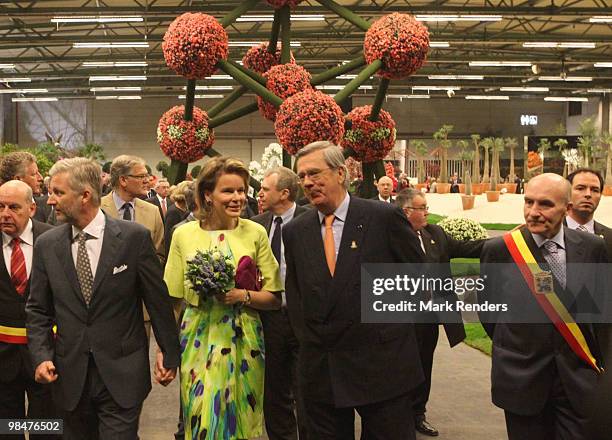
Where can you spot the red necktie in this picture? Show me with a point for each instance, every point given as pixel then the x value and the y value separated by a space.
pixel 19 276
pixel 163 206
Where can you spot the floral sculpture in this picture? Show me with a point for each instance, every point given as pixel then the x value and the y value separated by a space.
pixel 371 141
pixel 259 60
pixel 284 80
pixel 463 228
pixel 184 141
pixel 400 42
pixel 307 117
pixel 193 45
pixel 277 4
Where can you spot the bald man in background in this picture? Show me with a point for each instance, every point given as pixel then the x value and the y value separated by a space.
pixel 385 188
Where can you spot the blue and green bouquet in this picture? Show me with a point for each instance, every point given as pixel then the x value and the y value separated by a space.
pixel 210 272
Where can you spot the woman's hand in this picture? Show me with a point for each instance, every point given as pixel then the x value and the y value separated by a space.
pixel 232 297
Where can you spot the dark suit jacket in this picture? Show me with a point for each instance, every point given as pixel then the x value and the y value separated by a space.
pixel 111 329
pixel 43 211
pixel 343 362
pixel 528 357
pixel 12 314
pixel 174 216
pixel 155 201
pixel 265 219
pixel 440 248
pixel 376 198
pixel 605 233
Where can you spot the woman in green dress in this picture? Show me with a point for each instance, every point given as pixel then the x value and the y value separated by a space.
pixel 222 363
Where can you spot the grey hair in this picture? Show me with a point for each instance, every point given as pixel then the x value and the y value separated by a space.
pixel 287 179
pixel 163 179
pixel 122 166
pixel 331 153
pixel 405 197
pixel 14 165
pixel 82 174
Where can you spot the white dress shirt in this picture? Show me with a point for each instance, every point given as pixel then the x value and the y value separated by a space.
pixel 27 247
pixel 573 224
pixel 94 229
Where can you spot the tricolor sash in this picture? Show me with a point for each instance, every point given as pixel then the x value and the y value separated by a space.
pixel 549 301
pixel 13 335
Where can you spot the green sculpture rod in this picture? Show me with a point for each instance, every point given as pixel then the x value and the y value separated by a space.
pixel 348 152
pixel 380 98
pixel 189 99
pixel 285 20
pixel 367 186
pixel 245 80
pixel 177 172
pixel 211 152
pixel 354 84
pixel 379 169
pixel 335 71
pixel 237 12
pixel 275 31
pixel 252 74
pixel 347 14
pixel 233 115
pixel 226 102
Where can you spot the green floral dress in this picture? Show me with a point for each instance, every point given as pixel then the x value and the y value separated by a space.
pixel 222 363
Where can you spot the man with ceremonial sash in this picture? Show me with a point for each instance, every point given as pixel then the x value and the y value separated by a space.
pixel 19 233
pixel 542 374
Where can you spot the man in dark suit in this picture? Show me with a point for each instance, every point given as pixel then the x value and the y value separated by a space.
pixel 19 233
pixel 89 276
pixel 384 186
pixel 279 189
pixel 161 199
pixel 345 365
pixel 438 248
pixel 455 180
pixel 587 188
pixel 537 377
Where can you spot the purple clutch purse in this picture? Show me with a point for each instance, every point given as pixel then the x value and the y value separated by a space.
pixel 248 275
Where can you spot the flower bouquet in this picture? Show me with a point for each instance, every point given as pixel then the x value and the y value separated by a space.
pixel 210 272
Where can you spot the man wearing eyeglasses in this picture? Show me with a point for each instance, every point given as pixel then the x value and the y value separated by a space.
pixel 438 248
pixel 345 365
pixel 129 180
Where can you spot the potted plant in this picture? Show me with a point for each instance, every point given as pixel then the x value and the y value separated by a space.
pixel 487 145
pixel 420 148
pixel 561 145
pixel 543 146
pixel 476 185
pixel 511 144
pixel 606 139
pixel 441 137
pixel 498 147
pixel 493 192
pixel 467 199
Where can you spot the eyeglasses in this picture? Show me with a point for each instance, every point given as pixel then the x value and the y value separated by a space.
pixel 314 175
pixel 139 176
pixel 423 208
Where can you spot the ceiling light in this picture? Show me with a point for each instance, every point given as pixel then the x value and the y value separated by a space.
pixel 11 91
pixel 500 63
pixel 565 99
pixel 120 97
pixel 567 78
pixel 257 43
pixel 340 87
pixel 212 88
pixel 487 97
pixel 269 17
pixel 110 45
pixel 602 65
pixel 7 66
pixel 117 78
pixel 443 17
pixel 567 45
pixel 115 89
pixel 466 77
pixel 443 88
pixel 115 64
pixel 599 90
pixel 98 19
pixel 400 97
pixel 439 44
pixel 601 19
pixel 203 96
pixel 15 80
pixel 523 89
pixel 49 99
pixel 220 77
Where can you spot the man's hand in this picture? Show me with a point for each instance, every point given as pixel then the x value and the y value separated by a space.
pixel 163 376
pixel 45 372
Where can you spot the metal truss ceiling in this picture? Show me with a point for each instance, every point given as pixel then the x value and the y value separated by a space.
pixel 43 51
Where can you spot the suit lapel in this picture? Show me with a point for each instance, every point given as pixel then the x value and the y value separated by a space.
pixel 108 206
pixel 313 245
pixel 110 245
pixel 268 222
pixel 64 254
pixel 431 251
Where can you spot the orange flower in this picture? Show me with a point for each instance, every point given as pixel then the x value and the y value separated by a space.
pixel 284 80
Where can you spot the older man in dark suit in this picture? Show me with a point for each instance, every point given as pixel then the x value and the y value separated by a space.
pixel 542 374
pixel 587 188
pixel 345 365
pixel 19 233
pixel 89 276
pixel 277 195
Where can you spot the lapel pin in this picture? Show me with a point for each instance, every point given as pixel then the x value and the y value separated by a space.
pixel 359 226
pixel 353 245
pixel 601 235
pixel 433 242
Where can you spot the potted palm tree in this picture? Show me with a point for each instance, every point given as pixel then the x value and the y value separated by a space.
pixel 441 138
pixel 606 139
pixel 493 192
pixel 561 145
pixel 420 148
pixel 511 144
pixel 466 158
pixel 467 199
pixel 487 145
pixel 543 146
pixel 476 185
